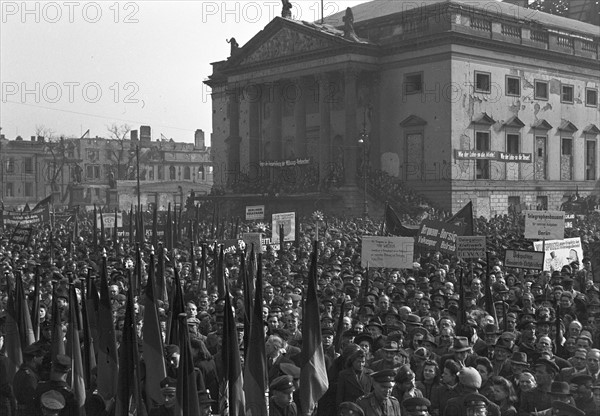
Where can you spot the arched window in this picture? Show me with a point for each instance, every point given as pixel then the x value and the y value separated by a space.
pixel 186 172
pixel 172 175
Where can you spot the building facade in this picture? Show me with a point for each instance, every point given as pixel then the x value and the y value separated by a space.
pixel 462 100
pixel 103 172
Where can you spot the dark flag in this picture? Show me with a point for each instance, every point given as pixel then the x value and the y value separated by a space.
pixel 102 242
pixel 464 217
pixel 76 227
pixel 489 299
pixel 155 227
pixel 92 305
pixel 177 308
pixel 193 259
pixel 367 284
pixel 12 337
pixel 220 274
pixel 393 226
pixel 58 342
pixel 95 227
pixel 153 345
pixel 248 289
pixel 313 370
pixel 142 229
pixel 232 402
pixel 136 283
pixel 161 281
pixel 187 390
pixel 255 370
pixel 108 367
pixel 558 337
pixel 89 351
pixel 168 231
pixel 77 369
pixel 340 327
pixel 43 203
pixel 129 392
pixel 131 229
pixel 175 229
pixel 461 317
pixel 116 234
pixel 35 305
pixel 203 277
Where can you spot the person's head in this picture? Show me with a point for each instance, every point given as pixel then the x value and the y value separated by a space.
pixel 172 355
pixel 383 383
pixel 282 390
pixel 405 378
pixel 502 391
pixel 274 346
pixel 168 389
pixel 450 373
pixel 596 394
pixel 583 341
pixel 527 381
pixel 593 361
pixel 350 409
pixel 485 368
pixel 579 359
pixel 191 310
pixel 544 345
pixel 52 402
pixel 470 378
pixel 581 386
pixel 357 360
pixel 545 372
pixel 430 370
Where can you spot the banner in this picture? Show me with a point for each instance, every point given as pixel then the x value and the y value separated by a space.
pixel 231 245
pixel 282 163
pixel 493 155
pixel 109 220
pixel 256 212
pixel 545 224
pixel 288 219
pixel 559 253
pixel 524 259
pixel 253 238
pixel 470 247
pixel 21 235
pixel 389 252
pixel 438 236
pixel 12 218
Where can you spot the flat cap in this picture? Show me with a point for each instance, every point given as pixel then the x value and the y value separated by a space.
pixel 62 363
pixel 283 384
pixel 168 384
pixel 416 405
pixel 52 400
pixel 384 376
pixel 350 409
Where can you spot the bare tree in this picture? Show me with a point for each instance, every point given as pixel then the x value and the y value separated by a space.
pixel 119 149
pixel 42 131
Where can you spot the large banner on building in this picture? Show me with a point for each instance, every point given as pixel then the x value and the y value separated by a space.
pixel 439 236
pixel 559 253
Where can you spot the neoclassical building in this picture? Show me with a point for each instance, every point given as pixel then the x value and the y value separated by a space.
pixel 463 100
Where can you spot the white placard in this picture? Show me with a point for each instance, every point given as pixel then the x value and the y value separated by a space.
pixel 109 219
pixel 288 219
pixel 253 238
pixel 390 252
pixel 470 247
pixel 559 253
pixel 256 212
pixel 545 225
pixel 524 259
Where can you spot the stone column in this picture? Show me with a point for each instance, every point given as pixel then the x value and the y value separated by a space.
pixel 253 95
pixel 300 117
pixel 233 140
pixel 351 131
pixel 375 133
pixel 324 127
pixel 276 114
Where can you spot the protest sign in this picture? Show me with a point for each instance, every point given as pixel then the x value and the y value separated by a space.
pixel 470 247
pixel 256 212
pixel 390 252
pixel 524 259
pixel 439 236
pixel 109 220
pixel 559 253
pixel 288 220
pixel 33 219
pixel 21 235
pixel 545 224
pixel 253 238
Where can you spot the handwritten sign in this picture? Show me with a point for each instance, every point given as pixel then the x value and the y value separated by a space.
pixel 439 236
pixel 524 259
pixel 288 220
pixel 470 247
pixel 390 252
pixel 546 225
pixel 256 212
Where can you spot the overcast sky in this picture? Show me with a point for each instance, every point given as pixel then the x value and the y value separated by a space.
pixel 75 65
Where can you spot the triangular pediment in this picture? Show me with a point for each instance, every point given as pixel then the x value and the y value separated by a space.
pixel 514 122
pixel 567 127
pixel 412 121
pixel 285 37
pixel 591 129
pixel 542 124
pixel 484 119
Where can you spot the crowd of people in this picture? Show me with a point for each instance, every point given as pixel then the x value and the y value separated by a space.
pixel 395 342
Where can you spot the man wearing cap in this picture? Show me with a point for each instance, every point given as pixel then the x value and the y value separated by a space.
pixel 52 402
pixel 349 409
pixel 469 382
pixel 58 377
pixel 581 387
pixel 380 401
pixel 416 406
pixel 281 402
pixel 389 360
pixel 168 389
pixel 205 403
pixel 26 380
pixel 540 398
pixel 578 365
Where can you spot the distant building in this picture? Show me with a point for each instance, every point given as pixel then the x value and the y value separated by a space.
pixel 461 100
pixel 103 172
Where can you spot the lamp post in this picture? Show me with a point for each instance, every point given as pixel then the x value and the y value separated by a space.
pixel 364 136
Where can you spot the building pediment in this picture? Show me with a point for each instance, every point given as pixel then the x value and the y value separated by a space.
pixel 514 122
pixel 484 119
pixel 591 129
pixel 285 38
pixel 412 121
pixel 567 127
pixel 542 124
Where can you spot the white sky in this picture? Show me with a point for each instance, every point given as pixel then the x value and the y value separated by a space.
pixel 76 65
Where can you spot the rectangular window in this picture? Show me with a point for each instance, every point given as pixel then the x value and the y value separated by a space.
pixel 512 144
pixel 513 86
pixel 542 202
pixel 541 90
pixel 483 82
pixel 482 166
pixel 28 165
pixel 161 173
pixel 89 172
pixel 590 160
pixel 591 97
pixel 413 83
pixel 10 165
pixel 28 189
pixel 567 147
pixel 9 189
pixel 514 201
pixel 566 95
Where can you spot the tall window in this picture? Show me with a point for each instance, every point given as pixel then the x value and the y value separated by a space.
pixel 161 172
pixel 541 90
pixel 28 165
pixel 482 142
pixel 186 172
pixel 591 97
pixel 483 82
pixel 590 160
pixel 10 165
pixel 172 175
pixel 512 144
pixel 566 94
pixel 9 189
pixel 28 189
pixel 413 83
pixel 513 86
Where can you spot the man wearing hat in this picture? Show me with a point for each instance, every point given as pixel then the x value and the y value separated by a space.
pixel 416 406
pixel 380 401
pixel 561 408
pixel 547 390
pixel 52 402
pixel 389 360
pixel 168 389
pixel 26 379
pixel 459 352
pixel 58 381
pixel 350 409
pixel 205 402
pixel 281 402
pixel 581 387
